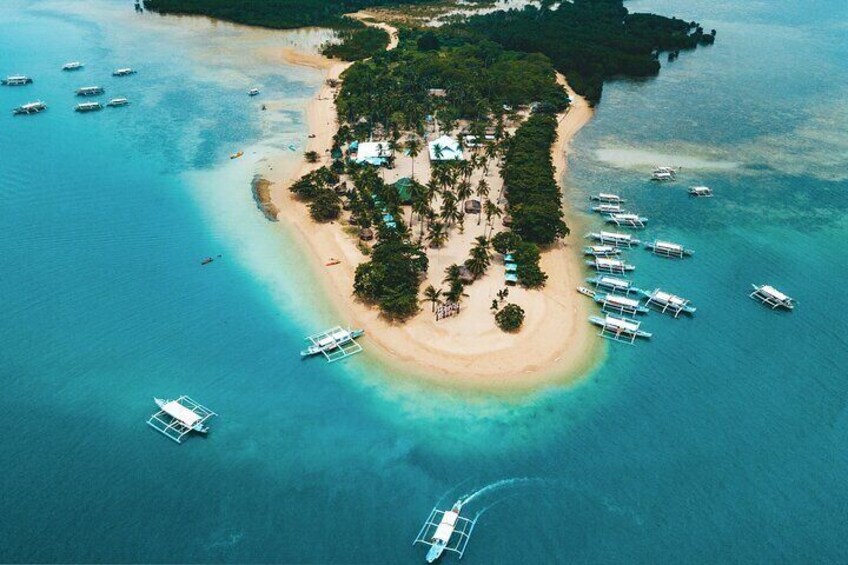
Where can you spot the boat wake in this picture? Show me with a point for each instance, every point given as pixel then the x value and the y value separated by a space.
pixel 497 485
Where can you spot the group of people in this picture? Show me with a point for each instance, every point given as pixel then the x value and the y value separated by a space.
pixel 447 310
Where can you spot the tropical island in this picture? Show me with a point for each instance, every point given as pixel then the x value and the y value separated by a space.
pixel 430 193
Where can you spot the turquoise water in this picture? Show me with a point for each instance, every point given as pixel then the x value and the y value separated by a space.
pixel 722 440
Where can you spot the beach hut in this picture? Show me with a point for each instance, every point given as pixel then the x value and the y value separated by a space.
pixel 404 187
pixel 372 152
pixel 445 148
pixel 473 206
pixel 465 275
pixel 366 234
pixel 507 220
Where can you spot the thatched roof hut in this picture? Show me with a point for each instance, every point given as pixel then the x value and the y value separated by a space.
pixel 366 234
pixel 507 220
pixel 465 276
pixel 473 206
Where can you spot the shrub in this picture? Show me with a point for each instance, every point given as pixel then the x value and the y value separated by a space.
pixel 510 318
pixel 506 241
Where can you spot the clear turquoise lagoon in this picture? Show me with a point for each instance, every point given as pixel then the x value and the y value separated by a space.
pixel 723 440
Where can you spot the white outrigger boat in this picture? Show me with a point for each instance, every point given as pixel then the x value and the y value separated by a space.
pixel 176 418
pixel 90 91
pixel 607 209
pixel 88 107
pixel 668 303
pixel 72 66
pixel 335 343
pixel 627 220
pixel 664 174
pixel 30 108
pixel 253 92
pixel 613 238
pixel 601 250
pixel 619 329
pixel 614 284
pixel 126 71
pixel 701 191
pixel 441 527
pixel 772 297
pixel 16 80
pixel 668 249
pixel 116 102
pixel 607 265
pixel 607 198
pixel 620 304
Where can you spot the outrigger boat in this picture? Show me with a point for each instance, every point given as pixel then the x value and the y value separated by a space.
pixel 17 80
pixel 88 107
pixel 601 250
pixel 441 527
pixel 620 304
pixel 176 418
pixel 607 209
pixel 72 66
pixel 772 297
pixel 253 92
pixel 586 291
pixel 668 249
pixel 614 284
pixel 116 102
pixel 30 108
pixel 123 72
pixel 668 303
pixel 335 343
pixel 607 198
pixel 90 91
pixel 627 220
pixel 607 265
pixel 619 329
pixel 701 191
pixel 613 238
pixel 664 174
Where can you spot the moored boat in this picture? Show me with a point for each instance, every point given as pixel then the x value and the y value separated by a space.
pixel 627 220
pixel 619 329
pixel 607 197
pixel 16 80
pixel 701 191
pixel 585 291
pixel 601 250
pixel 253 92
pixel 668 303
pixel 90 91
pixel 620 304
pixel 331 340
pixel 115 102
pixel 72 66
pixel 668 249
pixel 772 297
pixel 614 284
pixel 607 209
pixel 607 265
pixel 88 107
pixel 30 108
pixel 613 238
pixel 126 71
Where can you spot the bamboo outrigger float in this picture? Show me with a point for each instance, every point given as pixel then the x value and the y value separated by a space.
pixel 619 329
pixel 335 344
pixel 617 239
pixel 668 303
pixel 668 249
pixel 441 527
pixel 772 297
pixel 607 265
pixel 177 418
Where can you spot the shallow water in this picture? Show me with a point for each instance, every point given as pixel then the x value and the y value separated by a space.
pixel 722 440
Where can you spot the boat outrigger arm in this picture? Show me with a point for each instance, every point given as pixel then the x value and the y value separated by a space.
pixel 445 530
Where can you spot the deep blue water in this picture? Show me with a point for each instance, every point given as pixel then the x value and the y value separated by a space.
pixel 722 440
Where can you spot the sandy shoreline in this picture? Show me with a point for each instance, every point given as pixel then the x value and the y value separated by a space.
pixel 556 343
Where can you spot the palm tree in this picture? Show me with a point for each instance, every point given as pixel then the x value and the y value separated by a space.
pixel 451 274
pixel 433 296
pixel 436 234
pixel 482 192
pixel 437 151
pixel 491 209
pixel 463 190
pixel 413 145
pixel 432 190
pixel 480 257
pixel 449 208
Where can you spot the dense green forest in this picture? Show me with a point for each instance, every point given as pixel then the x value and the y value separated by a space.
pixel 357 43
pixel 589 41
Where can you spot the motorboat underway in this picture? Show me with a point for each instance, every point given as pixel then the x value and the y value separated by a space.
pixel 607 198
pixel 607 209
pixel 668 249
pixel 253 92
pixel 90 91
pixel 601 250
pixel 446 530
pixel 701 191
pixel 619 329
pixel 16 80
pixel 613 238
pixel 123 72
pixel 72 66
pixel 115 102
pixel 88 107
pixel 627 220
pixel 30 108
pixel 772 297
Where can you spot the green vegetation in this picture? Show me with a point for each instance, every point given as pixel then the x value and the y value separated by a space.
pixel 510 317
pixel 535 202
pixel 357 42
pixel 316 188
pixel 529 273
pixel 505 242
pixel 589 41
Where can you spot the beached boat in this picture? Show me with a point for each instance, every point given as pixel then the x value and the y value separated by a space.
pixel 335 343
pixel 30 108
pixel 253 92
pixel 607 198
pixel 701 191
pixel 126 71
pixel 236 155
pixel 627 220
pixel 585 291
pixel 619 329
pixel 614 284
pixel 88 107
pixel 72 66
pixel 445 530
pixel 772 297
pixel 668 249
pixel 607 265
pixel 668 303
pixel 620 304
pixel 90 91
pixel 607 209
pixel 116 102
pixel 177 418
pixel 613 238
pixel 16 80
pixel 601 250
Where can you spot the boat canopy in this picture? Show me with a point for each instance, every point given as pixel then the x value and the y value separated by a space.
pixel 668 298
pixel 605 262
pixel 616 235
pixel 179 412
pixel 774 293
pixel 612 281
pixel 621 301
pixel 621 324
pixel 669 246
pixel 446 526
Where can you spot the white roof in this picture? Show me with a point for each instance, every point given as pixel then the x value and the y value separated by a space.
pixel 615 282
pixel 609 207
pixel 181 413
pixel 604 262
pixel 446 526
pixel 621 300
pixel 608 196
pixel 603 248
pixel 449 149
pixel 372 150
pixel 670 298
pixel 615 235
pixel 773 292
pixel 701 188
pixel 625 216
pixel 668 245
pixel 621 324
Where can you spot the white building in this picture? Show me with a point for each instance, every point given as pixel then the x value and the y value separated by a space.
pixel 445 148
pixel 373 152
